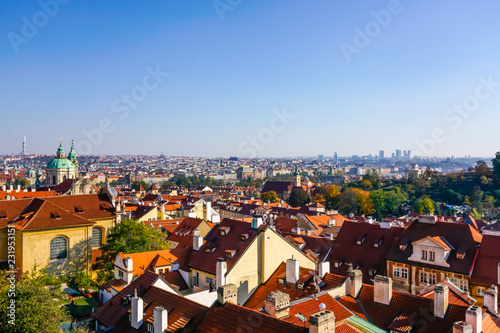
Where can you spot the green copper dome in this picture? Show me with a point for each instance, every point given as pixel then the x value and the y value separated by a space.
pixel 60 163
pixel 72 153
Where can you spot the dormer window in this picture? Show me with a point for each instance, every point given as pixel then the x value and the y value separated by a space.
pixel 360 239
pixel 55 215
pixel 230 253
pixel 338 263
pixel 3 214
pixel 78 209
pixel 432 255
pixel 243 237
pixel 461 252
pixel 223 231
pixel 210 249
pixel 378 241
pixel 424 254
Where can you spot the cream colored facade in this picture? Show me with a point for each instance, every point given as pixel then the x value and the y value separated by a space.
pixel 256 265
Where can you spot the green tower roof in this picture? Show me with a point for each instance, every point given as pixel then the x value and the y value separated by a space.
pixel 72 152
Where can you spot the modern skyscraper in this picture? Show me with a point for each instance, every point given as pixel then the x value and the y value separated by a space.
pixel 23 149
pixel 335 158
pixel 398 153
pixel 381 154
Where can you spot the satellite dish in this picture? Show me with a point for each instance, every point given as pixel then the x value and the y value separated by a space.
pixel 322 306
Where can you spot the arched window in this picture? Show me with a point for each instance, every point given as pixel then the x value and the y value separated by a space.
pixel 54 180
pixel 58 248
pixel 64 178
pixel 96 237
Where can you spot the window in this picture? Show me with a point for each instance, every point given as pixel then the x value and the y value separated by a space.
pixel 150 328
pixel 423 277
pixel 58 248
pixel 424 254
pixel 480 291
pixel 432 255
pixel 160 271
pixel 96 237
pixel 197 278
pixel 432 278
pixel 54 180
pixel 462 284
pixel 395 272
pixel 120 274
pixel 404 273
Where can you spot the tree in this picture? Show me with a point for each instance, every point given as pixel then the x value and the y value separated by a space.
pixel 356 201
pixel 319 198
pixel 476 199
pixel 424 205
pixel 378 200
pixel 137 184
pixel 496 164
pixel 298 197
pixel 270 196
pixel 22 181
pixel 36 308
pixel 366 185
pixel 394 199
pixel 332 197
pixel 482 169
pixel 130 236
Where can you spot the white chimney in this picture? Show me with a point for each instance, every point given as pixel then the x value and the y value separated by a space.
pixel 192 214
pixel 163 208
pixel 221 271
pixel 160 319
pixel 175 266
pixel 322 322
pixel 292 270
pixel 491 300
pixel 308 232
pixel 137 311
pixel 355 282
pixel 474 317
pixel 329 236
pixel 209 211
pixel 197 240
pixel 129 265
pixel 11 188
pixel 440 300
pixel 18 189
pixel 382 292
pixel 323 268
pixel 4 188
pixel 256 222
pixel 462 327
pixel 216 218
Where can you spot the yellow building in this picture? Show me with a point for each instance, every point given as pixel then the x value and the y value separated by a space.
pixel 59 234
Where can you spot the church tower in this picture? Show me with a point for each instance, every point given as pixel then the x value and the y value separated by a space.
pixel 296 177
pixel 60 168
pixel 72 157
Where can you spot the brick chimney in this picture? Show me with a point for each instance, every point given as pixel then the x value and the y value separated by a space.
pixel 228 294
pixel 137 311
pixel 292 270
pixel 462 327
pixel 440 300
pixel 354 282
pixel 474 317
pixel 220 273
pixel 322 322
pixel 491 300
pixel 277 304
pixel 382 292
pixel 323 268
pixel 197 240
pixel 160 319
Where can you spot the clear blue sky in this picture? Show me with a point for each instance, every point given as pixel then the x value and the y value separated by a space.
pixel 227 78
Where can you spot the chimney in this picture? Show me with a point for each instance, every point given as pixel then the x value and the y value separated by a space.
pixel 216 218
pixel 4 188
pixel 160 319
pixel 277 304
pixel 329 236
pixel 221 271
pixel 462 327
pixel 227 294
pixel 11 188
pixel 192 214
pixel 308 232
pixel 382 292
pixel 385 225
pixel 18 189
pixel 174 266
pixel 474 317
pixel 440 300
pixel 209 211
pixel 292 270
pixel 137 311
pixel 323 268
pixel 491 300
pixel 129 264
pixel 322 322
pixel 355 282
pixel 256 222
pixel 197 240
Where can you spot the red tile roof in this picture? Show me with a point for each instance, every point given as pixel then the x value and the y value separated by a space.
pixel 234 318
pixel 207 262
pixel 485 270
pixel 310 306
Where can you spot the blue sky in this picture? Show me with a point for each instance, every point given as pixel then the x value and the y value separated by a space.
pixel 227 78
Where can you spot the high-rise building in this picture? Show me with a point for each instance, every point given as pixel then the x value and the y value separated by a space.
pixel 335 158
pixel 381 154
pixel 398 153
pixel 320 157
pixel 23 149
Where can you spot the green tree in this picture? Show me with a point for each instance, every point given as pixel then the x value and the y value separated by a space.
pixel 366 185
pixel 394 199
pixel 137 184
pixel 298 197
pixel 424 205
pixel 130 236
pixel 476 199
pixel 36 308
pixel 482 169
pixel 82 282
pixel 22 181
pixel 496 164
pixel 270 196
pixel 378 200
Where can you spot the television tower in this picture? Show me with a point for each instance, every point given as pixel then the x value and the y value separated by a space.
pixel 23 151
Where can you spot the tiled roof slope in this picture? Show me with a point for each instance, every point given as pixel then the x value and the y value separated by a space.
pixel 485 270
pixel 95 206
pixel 277 186
pixel 456 234
pixel 346 248
pixel 183 314
pixel 256 301
pixel 234 318
pixel 207 262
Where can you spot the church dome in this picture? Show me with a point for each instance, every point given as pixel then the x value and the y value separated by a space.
pixel 61 162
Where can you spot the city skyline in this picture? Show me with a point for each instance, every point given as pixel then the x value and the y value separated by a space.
pixel 306 80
